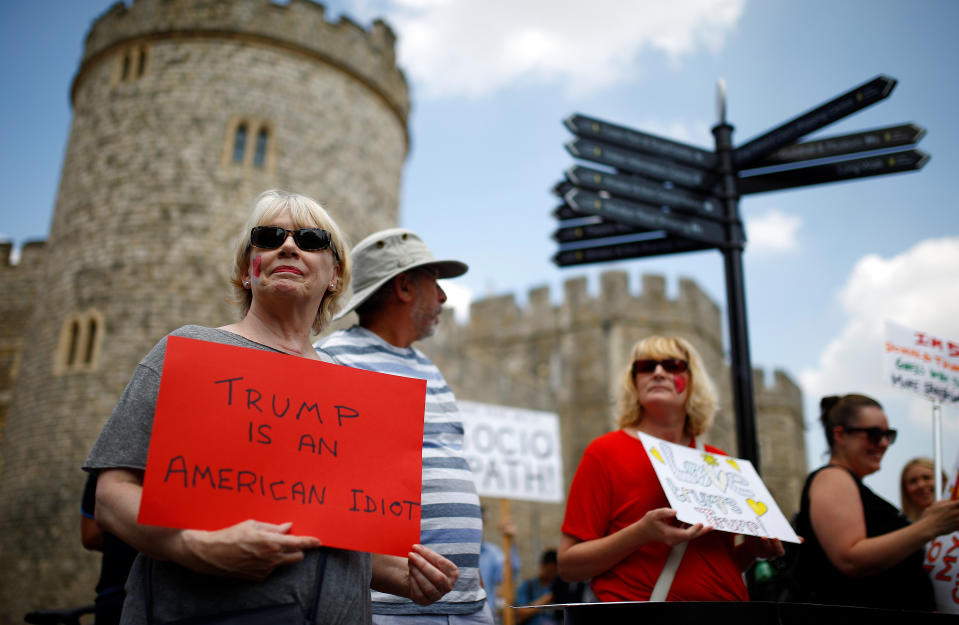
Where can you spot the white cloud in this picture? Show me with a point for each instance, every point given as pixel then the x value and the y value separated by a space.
pixel 458 297
pixel 773 232
pixel 916 289
pixel 465 47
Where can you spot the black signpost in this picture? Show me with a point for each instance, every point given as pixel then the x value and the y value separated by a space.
pixel 664 197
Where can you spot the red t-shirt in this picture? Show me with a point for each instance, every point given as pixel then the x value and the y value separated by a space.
pixel 614 486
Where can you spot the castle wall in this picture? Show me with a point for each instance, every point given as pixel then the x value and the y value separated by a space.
pixel 149 206
pixel 569 358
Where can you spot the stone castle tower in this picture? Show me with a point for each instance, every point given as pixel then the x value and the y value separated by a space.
pixel 183 111
pixel 568 358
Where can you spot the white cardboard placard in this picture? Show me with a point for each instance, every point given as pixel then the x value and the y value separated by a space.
pixel 722 492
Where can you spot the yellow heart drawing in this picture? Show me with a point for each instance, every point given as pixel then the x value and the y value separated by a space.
pixel 732 462
pixel 655 452
pixel 710 460
pixel 758 507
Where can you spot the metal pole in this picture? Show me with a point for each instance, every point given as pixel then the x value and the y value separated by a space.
pixel 937 444
pixel 742 370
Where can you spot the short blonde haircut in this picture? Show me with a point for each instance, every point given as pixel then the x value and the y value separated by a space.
pixel 306 213
pixel 701 400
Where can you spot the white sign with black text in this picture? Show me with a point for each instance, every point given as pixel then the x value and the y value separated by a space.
pixel 514 453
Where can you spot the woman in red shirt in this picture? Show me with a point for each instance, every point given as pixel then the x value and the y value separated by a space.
pixel 619 528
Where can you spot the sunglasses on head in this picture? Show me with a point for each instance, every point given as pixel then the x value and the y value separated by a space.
pixel 875 435
pixel 670 365
pixel 307 239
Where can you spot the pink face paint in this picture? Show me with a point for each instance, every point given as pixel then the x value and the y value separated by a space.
pixel 680 383
pixel 256 268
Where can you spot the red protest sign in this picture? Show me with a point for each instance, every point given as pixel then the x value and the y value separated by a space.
pixel 248 434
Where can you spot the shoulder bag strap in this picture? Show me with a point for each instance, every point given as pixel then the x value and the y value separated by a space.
pixel 666 576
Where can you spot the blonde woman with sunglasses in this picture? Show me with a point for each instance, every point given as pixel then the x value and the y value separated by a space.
pixel 859 549
pixel 619 530
pixel 290 267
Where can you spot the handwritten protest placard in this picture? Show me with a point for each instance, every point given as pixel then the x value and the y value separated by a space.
pixel 248 434
pixel 514 453
pixel 720 491
pixel 921 363
pixel 942 556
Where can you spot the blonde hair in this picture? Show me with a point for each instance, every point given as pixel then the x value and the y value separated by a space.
pixel 305 213
pixel 909 507
pixel 700 402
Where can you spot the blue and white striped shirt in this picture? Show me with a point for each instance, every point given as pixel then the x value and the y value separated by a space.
pixel 451 522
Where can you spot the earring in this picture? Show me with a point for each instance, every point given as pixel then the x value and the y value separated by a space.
pixel 246 284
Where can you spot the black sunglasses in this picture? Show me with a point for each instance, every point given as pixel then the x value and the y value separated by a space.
pixel 307 239
pixel 875 435
pixel 670 365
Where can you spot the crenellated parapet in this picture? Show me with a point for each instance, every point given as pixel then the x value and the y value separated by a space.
pixel 499 318
pixel 300 25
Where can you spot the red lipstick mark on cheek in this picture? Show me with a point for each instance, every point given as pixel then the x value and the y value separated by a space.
pixel 256 267
pixel 680 383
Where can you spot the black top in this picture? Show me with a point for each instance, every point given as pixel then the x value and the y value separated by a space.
pixel 905 586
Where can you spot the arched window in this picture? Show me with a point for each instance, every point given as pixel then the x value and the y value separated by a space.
pixel 91 340
pixel 74 343
pixel 239 144
pixel 142 62
pixel 125 72
pixel 259 155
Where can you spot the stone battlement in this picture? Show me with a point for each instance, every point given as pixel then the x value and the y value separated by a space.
pixel 299 25
pixel 501 316
pixel 32 253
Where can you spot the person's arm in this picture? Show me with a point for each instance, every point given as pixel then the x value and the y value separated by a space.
pixel 755 547
pixel 248 550
pixel 425 576
pixel 524 597
pixel 839 522
pixel 583 559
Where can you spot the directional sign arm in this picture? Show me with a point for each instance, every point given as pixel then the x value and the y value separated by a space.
pixel 644 190
pixel 651 167
pixel 866 141
pixel 857 99
pixel 592 128
pixel 622 251
pixel 904 160
pixel 646 216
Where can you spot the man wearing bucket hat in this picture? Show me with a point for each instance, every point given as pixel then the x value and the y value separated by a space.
pixel 398 302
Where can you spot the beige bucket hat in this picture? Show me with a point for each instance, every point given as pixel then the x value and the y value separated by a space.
pixel 386 254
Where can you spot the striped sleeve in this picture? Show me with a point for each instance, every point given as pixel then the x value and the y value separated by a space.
pixel 451 521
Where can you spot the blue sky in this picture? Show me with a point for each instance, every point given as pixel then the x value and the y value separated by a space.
pixel 491 82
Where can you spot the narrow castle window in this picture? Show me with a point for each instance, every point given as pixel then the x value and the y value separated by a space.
pixel 249 142
pixel 142 62
pixel 79 345
pixel 74 343
pixel 239 144
pixel 259 155
pixel 91 340
pixel 125 72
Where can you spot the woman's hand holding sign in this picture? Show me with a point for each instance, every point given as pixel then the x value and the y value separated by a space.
pixel 658 526
pixel 247 550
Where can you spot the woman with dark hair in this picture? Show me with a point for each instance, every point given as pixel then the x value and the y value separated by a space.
pixel 619 530
pixel 859 550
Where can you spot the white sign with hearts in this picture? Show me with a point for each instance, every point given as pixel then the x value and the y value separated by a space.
pixel 722 492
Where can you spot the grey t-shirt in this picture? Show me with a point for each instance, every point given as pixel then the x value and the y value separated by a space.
pixel 179 592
